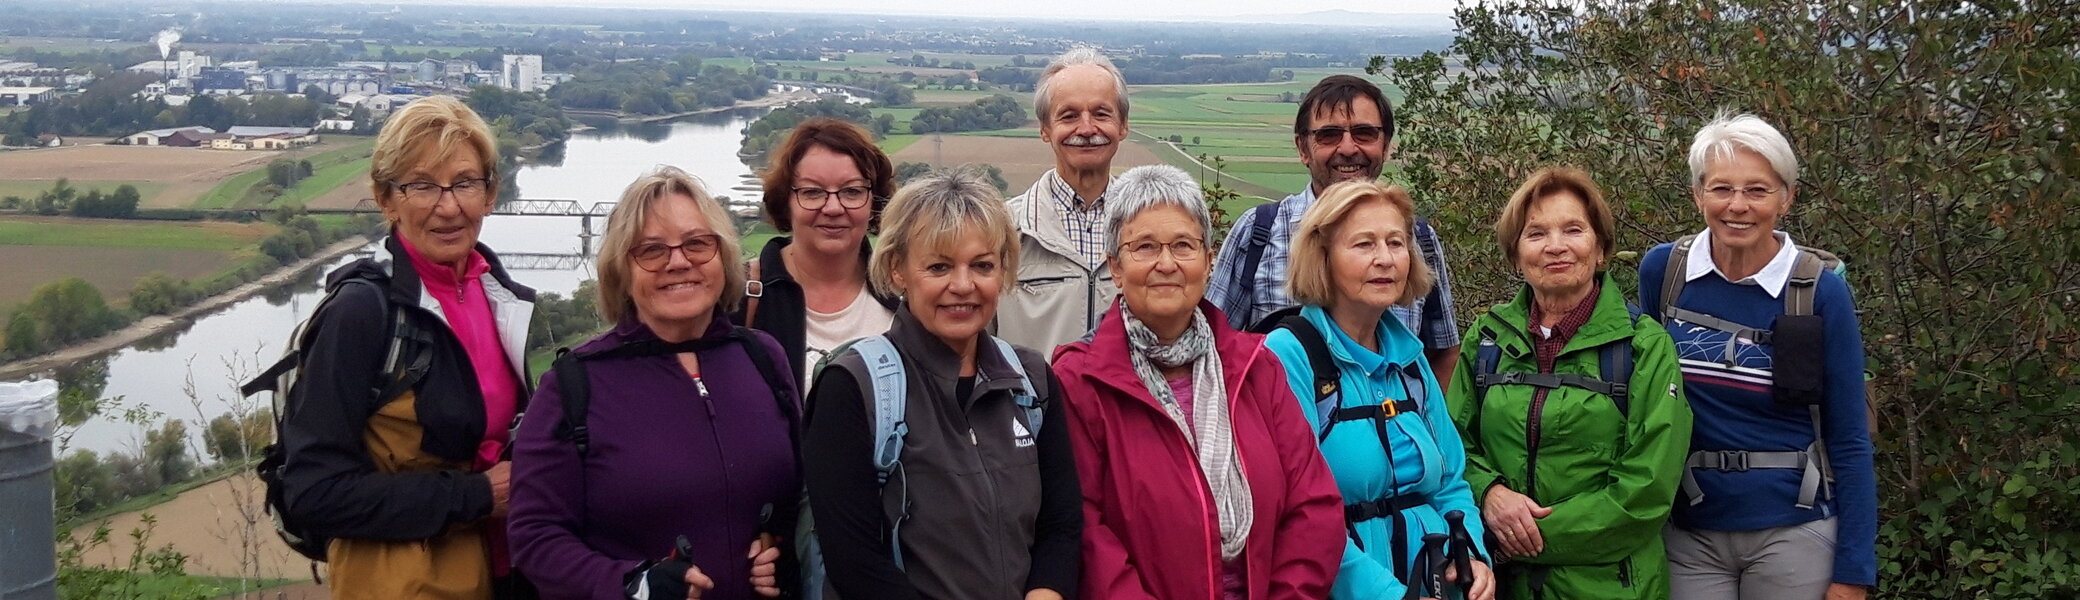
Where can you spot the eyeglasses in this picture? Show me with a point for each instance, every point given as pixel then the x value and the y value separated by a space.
pixel 1148 250
pixel 1364 134
pixel 1726 192
pixel 849 197
pixel 655 256
pixel 427 193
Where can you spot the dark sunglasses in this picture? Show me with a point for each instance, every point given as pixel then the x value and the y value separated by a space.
pixel 1364 134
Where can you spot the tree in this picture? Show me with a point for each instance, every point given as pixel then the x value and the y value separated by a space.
pixel 911 170
pixel 319 95
pixel 59 312
pixel 237 438
pixel 165 453
pixel 159 293
pixel 1937 153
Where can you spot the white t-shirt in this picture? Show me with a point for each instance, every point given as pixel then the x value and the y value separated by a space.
pixel 864 317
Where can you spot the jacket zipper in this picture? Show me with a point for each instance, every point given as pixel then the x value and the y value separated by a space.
pixel 1531 430
pixel 1625 572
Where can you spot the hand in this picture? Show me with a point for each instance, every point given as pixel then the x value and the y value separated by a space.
pixel 1844 591
pixel 1043 594
pixel 1483 580
pixel 697 583
pixel 765 554
pixel 1514 519
pixel 501 476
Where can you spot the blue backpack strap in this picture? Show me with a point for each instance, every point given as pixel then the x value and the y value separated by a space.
pixel 1261 217
pixel 1030 399
pixel 885 376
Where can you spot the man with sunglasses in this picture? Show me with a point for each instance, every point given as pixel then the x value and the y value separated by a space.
pixel 1344 132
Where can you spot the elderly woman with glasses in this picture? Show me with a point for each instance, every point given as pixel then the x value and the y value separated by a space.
pixel 960 486
pixel 1200 479
pixel 1573 418
pixel 410 483
pixel 1779 499
pixel 826 184
pixel 1371 403
pixel 657 460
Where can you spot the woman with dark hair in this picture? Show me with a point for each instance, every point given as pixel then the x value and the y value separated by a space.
pixel 826 184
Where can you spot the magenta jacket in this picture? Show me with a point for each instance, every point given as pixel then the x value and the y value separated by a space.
pixel 1149 525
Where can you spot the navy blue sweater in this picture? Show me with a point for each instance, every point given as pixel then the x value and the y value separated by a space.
pixel 1734 410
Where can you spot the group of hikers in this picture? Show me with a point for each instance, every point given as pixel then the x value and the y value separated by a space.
pixel 1072 393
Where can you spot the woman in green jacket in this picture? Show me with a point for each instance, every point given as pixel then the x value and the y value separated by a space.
pixel 1573 455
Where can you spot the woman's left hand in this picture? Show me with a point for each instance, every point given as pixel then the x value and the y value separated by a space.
pixel 1483 581
pixel 765 558
pixel 1843 591
pixel 1043 594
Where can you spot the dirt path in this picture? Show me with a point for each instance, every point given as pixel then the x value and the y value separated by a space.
pixel 148 326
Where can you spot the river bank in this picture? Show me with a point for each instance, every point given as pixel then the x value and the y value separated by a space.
pixel 153 325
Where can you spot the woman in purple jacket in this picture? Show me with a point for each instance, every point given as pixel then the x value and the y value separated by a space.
pixel 673 479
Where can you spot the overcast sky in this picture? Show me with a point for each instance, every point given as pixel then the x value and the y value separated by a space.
pixel 1181 10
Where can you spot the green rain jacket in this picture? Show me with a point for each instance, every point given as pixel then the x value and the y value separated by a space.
pixel 1610 479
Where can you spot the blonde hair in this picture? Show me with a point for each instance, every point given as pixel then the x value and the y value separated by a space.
pixel 1310 281
pixel 1546 182
pixel 625 225
pixel 934 212
pixel 429 131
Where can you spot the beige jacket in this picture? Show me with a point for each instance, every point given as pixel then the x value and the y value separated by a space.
pixel 1057 299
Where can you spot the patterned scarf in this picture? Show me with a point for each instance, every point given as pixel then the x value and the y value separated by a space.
pixel 1210 431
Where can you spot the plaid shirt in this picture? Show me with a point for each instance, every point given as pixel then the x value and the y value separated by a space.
pixel 1430 317
pixel 1085 224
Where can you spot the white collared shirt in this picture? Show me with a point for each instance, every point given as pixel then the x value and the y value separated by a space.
pixel 1771 278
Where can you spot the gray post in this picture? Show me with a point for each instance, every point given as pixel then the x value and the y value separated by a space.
pixel 28 535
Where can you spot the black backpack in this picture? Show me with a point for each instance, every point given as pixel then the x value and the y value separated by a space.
pixel 404 364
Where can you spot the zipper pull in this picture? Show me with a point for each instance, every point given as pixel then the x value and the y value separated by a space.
pixel 701 385
pixel 971 438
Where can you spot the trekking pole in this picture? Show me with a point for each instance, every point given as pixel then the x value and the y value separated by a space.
pixel 1461 549
pixel 1430 564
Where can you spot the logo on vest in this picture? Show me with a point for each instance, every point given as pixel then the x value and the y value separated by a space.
pixel 1020 436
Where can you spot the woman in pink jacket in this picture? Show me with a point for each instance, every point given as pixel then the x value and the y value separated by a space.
pixel 1200 476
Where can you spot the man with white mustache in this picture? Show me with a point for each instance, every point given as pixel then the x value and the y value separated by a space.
pixel 1063 286
pixel 1344 132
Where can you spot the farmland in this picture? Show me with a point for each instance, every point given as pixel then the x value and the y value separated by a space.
pixel 112 255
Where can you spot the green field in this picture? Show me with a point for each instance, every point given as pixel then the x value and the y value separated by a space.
pixel 28 190
pixel 330 169
pixel 122 234
pixel 1247 121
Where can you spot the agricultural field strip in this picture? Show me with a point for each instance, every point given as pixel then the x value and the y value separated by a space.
pixel 125 234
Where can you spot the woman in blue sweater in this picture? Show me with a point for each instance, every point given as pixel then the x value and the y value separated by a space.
pixel 1779 475
pixel 1385 429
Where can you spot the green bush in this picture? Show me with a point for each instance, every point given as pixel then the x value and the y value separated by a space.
pixel 159 293
pixel 58 313
pixel 1937 153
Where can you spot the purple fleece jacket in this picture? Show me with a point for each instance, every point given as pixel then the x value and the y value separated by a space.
pixel 663 461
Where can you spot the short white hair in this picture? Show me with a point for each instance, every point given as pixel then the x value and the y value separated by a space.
pixel 1082 55
pixel 1149 186
pixel 1728 132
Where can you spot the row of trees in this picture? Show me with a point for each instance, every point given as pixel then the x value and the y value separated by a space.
pixel 995 112
pixel 1938 155
pixel 658 87
pixel 767 131
pixel 64 198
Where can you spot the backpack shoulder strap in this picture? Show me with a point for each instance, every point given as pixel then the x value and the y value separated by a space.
pixel 1327 377
pixel 1261 217
pixel 1674 275
pixel 1034 400
pixel 776 380
pixel 574 388
pixel 1487 358
pixel 1805 280
pixel 1614 361
pixel 890 401
pixel 754 288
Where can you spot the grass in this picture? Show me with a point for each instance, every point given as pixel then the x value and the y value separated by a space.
pixel 1250 121
pixel 28 190
pixel 121 234
pixel 330 169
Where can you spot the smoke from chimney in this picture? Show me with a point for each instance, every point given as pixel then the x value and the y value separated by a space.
pixel 165 39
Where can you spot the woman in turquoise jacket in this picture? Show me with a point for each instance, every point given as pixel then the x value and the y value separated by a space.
pixel 1388 439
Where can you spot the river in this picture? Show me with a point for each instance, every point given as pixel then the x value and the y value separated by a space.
pixel 216 350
